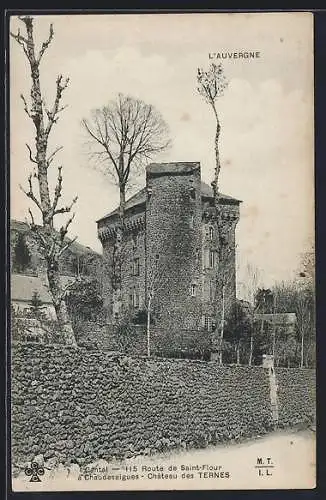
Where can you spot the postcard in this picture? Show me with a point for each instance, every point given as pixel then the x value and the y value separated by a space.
pixel 162 252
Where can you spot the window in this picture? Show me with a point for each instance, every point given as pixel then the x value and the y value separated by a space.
pixel 207 323
pixel 211 234
pixel 193 290
pixel 212 290
pixel 136 267
pixel 191 222
pixel 197 256
pixel 136 299
pixel 135 239
pixel 192 191
pixel 211 259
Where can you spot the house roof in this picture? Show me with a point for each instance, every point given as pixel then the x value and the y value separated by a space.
pixel 23 287
pixel 139 198
pixel 75 248
pixel 180 167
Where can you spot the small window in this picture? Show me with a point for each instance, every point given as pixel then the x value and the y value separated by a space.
pixel 211 259
pixel 136 267
pixel 211 234
pixel 191 222
pixel 207 323
pixel 193 290
pixel 136 299
pixel 211 290
pixel 193 193
pixel 135 239
pixel 197 256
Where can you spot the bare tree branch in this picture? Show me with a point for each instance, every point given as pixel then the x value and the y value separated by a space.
pixel 32 159
pixel 30 193
pixel 63 249
pixel 64 229
pixel 53 114
pixel 52 155
pixel 21 40
pixel 46 44
pixel 25 106
pixel 66 209
pixel 57 190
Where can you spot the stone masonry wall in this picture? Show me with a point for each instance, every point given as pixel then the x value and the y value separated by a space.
pixel 77 405
pixel 296 395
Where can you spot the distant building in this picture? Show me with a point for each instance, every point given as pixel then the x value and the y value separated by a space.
pixel 172 246
pixel 282 322
pixel 26 259
pixel 23 288
pixel 28 269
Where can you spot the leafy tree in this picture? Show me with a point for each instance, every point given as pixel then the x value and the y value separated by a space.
pixel 238 328
pixel 22 257
pixel 52 244
pixel 36 304
pixel 264 301
pixel 84 299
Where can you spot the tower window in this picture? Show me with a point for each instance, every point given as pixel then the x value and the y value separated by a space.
pixel 197 256
pixel 193 193
pixel 136 267
pixel 211 259
pixel 136 299
pixel 191 222
pixel 135 240
pixel 212 290
pixel 211 234
pixel 193 290
pixel 207 323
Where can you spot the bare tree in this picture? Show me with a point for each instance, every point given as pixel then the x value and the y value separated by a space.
pixel 52 243
pixel 124 135
pixel 211 85
pixel 251 283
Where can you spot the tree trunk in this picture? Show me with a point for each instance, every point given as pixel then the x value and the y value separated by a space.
pixel 60 307
pixel 217 158
pixel 222 326
pixel 251 348
pixel 238 353
pixel 118 257
pixel 302 349
pixel 148 329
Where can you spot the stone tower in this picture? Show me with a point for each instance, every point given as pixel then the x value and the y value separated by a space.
pixel 171 254
pixel 173 242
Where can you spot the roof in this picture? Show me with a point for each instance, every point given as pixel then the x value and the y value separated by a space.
pixel 139 198
pixel 23 287
pixel 75 247
pixel 178 168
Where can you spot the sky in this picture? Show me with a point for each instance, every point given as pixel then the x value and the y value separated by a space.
pixel 266 114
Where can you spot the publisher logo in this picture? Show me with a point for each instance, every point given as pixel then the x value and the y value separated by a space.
pixel 35 470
